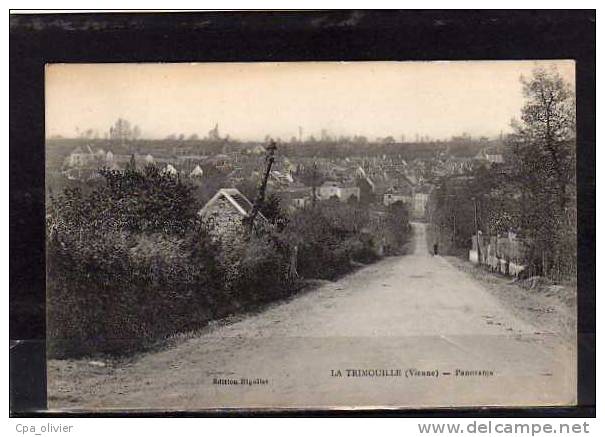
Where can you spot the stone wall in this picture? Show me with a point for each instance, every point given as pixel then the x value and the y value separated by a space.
pixel 228 221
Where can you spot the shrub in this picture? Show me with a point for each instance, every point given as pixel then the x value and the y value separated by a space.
pixel 120 274
pixel 117 294
pixel 328 237
pixel 262 271
pixel 130 262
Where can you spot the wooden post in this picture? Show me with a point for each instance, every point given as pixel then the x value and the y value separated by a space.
pixel 293 270
pixel 454 228
pixel 477 233
pixel 314 186
pixel 260 198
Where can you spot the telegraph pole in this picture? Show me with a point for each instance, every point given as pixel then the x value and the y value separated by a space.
pixel 454 234
pixel 260 198
pixel 314 187
pixel 477 232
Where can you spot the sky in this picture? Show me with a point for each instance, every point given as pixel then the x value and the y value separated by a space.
pixel 252 100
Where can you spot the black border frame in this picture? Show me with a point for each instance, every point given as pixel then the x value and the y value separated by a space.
pixel 36 39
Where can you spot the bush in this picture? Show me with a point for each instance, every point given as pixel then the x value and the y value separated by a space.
pixel 116 294
pixel 127 264
pixel 262 271
pixel 328 237
pixel 130 263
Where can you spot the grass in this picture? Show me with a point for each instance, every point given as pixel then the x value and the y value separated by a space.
pixel 545 305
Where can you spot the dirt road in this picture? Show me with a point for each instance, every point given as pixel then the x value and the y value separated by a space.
pixel 417 331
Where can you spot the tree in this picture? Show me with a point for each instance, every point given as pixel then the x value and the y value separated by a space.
pixel 136 132
pixel 121 131
pixel 396 224
pixel 450 210
pixel 127 263
pixel 131 201
pixel 541 152
pixel 545 140
pixel 273 211
pixel 131 167
pixel 248 187
pixel 360 139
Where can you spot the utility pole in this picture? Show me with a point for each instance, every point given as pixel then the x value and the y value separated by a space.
pixel 454 233
pixel 477 232
pixel 314 186
pixel 260 198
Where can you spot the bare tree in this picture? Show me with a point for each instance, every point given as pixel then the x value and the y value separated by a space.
pixel 121 131
pixel 136 132
pixel 542 156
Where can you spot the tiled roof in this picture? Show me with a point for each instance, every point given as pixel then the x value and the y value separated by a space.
pixel 235 198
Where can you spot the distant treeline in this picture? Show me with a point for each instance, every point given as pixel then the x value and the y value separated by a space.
pixel 465 146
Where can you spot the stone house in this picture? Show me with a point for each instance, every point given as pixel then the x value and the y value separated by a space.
pixel 227 210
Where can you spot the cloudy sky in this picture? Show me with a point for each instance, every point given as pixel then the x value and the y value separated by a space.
pixel 251 100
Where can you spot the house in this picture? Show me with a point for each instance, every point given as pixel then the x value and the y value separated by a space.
pixel 420 202
pixel 394 195
pixel 421 199
pixel 458 165
pixel 329 189
pixel 298 200
pixel 494 158
pixel 301 202
pixel 227 211
pixel 343 192
pixel 197 172
pixel 381 185
pixel 356 175
pixel 80 158
pixel 236 176
pixel 169 169
pixel 366 189
pixel 221 162
pixel 297 196
pixel 490 156
pixel 280 179
pixel 83 163
pixel 256 150
pixel 407 180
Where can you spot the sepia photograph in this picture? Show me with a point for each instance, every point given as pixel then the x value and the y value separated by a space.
pixel 310 235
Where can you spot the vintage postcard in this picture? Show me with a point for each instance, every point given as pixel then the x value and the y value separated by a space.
pixel 311 235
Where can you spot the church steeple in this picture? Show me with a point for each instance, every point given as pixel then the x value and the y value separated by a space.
pixel 214 134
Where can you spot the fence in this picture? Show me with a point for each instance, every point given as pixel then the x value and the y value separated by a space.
pixel 502 254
